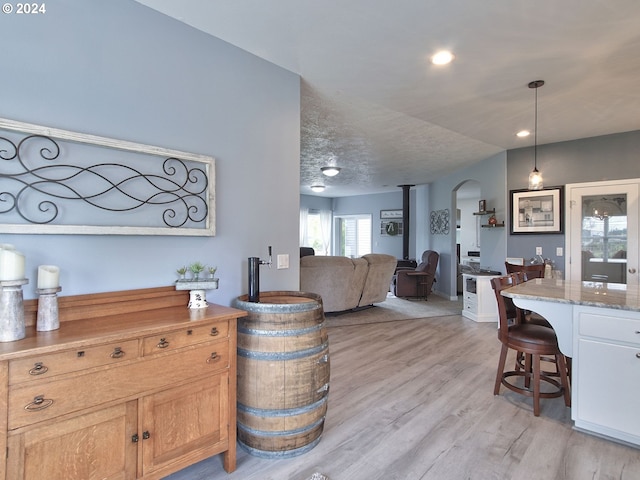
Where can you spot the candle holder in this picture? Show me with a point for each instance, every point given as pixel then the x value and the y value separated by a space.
pixel 12 310
pixel 47 318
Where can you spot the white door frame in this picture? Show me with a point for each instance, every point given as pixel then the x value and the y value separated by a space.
pixel 574 227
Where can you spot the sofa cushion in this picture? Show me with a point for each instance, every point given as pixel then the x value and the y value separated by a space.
pixel 338 280
pixel 379 276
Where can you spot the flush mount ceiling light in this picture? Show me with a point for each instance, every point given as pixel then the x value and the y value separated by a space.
pixel 330 171
pixel 317 188
pixel 523 133
pixel 443 57
pixel 535 177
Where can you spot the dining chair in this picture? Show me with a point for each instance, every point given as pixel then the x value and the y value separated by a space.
pixel 534 341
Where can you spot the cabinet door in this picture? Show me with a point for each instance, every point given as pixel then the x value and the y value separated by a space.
pixel 608 386
pixel 185 424
pixel 93 446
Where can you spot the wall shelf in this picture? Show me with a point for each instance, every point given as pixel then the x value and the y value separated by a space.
pixel 493 226
pixel 486 212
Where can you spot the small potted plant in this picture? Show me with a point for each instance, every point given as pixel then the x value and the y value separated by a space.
pixel 182 271
pixel 212 276
pixel 196 268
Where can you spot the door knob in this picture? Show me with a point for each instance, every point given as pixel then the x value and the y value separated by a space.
pixel 632 270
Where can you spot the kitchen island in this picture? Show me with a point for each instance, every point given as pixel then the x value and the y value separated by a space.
pixel 598 325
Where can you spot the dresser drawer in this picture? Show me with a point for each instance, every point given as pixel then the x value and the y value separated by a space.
pixel 610 328
pixel 184 337
pixel 44 366
pixel 37 401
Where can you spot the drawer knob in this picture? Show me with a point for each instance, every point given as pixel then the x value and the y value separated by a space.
pixel 39 403
pixel 163 343
pixel 214 357
pixel 638 355
pixel 214 332
pixel 117 353
pixel 38 369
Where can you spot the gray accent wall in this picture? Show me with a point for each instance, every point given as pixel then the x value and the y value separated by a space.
pixel 608 157
pixel 119 69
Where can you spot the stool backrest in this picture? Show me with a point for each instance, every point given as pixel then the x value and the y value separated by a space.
pixel 530 271
pixel 508 313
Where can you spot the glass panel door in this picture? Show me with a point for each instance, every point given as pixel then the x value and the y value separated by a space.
pixel 603 232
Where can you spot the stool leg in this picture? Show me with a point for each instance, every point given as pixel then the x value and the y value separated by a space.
pixel 501 362
pixel 527 368
pixel 564 379
pixel 536 385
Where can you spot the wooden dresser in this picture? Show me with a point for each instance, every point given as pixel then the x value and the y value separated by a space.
pixel 132 385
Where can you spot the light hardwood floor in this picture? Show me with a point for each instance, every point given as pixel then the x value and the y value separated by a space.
pixel 414 400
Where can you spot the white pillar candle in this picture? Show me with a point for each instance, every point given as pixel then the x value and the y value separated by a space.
pixel 11 265
pixel 48 276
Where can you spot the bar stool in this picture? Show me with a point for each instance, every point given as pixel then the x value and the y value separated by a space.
pixel 533 341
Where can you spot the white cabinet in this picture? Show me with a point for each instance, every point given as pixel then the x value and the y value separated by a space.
pixel 479 301
pixel 607 372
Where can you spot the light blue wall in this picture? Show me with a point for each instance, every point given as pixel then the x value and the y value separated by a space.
pixel 372 204
pixel 315 203
pixel 491 173
pixel 118 69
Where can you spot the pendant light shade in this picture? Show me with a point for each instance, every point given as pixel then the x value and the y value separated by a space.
pixel 535 177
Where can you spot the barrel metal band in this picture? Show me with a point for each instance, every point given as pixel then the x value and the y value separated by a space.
pixel 281 433
pixel 280 453
pixel 280 333
pixel 271 308
pixel 284 412
pixel 282 355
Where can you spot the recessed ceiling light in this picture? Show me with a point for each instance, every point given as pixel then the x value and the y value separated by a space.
pixel 317 188
pixel 443 57
pixel 523 133
pixel 330 171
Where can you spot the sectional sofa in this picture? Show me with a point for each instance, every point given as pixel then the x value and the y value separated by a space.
pixel 347 283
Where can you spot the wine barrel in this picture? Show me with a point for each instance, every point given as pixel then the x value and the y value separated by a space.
pixel 283 373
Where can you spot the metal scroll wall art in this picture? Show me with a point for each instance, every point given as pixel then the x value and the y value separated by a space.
pixel 440 222
pixel 57 181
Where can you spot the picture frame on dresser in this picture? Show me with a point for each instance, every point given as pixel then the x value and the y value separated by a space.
pixel 537 211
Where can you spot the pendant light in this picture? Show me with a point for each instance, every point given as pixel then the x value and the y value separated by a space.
pixel 535 177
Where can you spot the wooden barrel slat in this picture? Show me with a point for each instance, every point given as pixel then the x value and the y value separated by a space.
pixel 283 373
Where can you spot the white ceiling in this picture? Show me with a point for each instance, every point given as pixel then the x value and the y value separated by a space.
pixel 373 105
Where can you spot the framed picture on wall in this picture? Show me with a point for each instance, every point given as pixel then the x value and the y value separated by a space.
pixel 387 214
pixel 537 211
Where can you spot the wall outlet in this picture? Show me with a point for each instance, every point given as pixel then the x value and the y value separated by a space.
pixel 559 252
pixel 538 250
pixel 282 261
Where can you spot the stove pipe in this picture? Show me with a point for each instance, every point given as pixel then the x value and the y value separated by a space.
pixel 405 220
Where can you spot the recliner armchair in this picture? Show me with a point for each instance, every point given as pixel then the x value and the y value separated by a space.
pixel 416 282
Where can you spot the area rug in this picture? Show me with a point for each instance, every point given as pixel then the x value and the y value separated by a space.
pixel 394 309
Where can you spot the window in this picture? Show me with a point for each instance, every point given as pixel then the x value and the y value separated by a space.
pixel 315 230
pixel 353 235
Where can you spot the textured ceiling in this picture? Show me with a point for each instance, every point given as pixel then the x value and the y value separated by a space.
pixel 374 106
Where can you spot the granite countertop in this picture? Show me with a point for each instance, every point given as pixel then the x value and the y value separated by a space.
pixel 595 294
